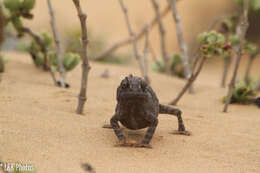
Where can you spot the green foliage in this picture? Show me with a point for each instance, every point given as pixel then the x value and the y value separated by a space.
pixel 19 9
pixel 12 5
pixel 21 6
pixel 28 5
pixel 70 61
pixel 176 65
pixel 47 39
pixel 234 39
pixel 241 93
pixel 211 43
pixel 251 48
pixel 254 4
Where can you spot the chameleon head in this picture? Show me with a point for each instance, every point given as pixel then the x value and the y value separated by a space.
pixel 132 88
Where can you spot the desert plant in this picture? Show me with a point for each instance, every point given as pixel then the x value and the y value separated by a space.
pixel 241 30
pixel 211 43
pixel 244 93
pixel 69 60
pixel 176 65
pixel 19 9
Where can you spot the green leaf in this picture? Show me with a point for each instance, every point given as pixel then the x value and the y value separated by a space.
pixel 28 4
pixel 12 5
pixel 70 61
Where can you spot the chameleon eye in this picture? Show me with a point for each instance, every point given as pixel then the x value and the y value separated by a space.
pixel 124 85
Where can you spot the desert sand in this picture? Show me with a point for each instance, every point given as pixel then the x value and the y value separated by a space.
pixel 39 124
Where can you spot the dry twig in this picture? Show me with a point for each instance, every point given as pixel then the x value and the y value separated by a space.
pixel 258 85
pixel 44 50
pixel 227 64
pixel 57 43
pixel 134 42
pixel 85 63
pixel 249 66
pixel 241 32
pixel 189 82
pixel 182 44
pixel 146 52
pixel 165 55
pixel 127 41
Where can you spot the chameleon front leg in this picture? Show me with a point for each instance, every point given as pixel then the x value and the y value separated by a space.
pixel 149 134
pixel 114 123
pixel 163 109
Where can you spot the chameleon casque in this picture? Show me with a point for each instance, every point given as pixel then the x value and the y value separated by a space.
pixel 138 107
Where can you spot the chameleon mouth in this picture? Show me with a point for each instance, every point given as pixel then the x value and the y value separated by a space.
pixel 132 95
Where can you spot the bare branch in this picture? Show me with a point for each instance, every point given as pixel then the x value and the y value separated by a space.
pixel 57 43
pixel 154 57
pixel 189 82
pixel 85 63
pixel 182 44
pixel 258 85
pixel 227 64
pixel 146 52
pixel 165 55
pixel 133 38
pixel 44 50
pixel 249 66
pixel 241 32
pixel 127 41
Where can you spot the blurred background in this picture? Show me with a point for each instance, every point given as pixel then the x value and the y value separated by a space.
pixel 105 18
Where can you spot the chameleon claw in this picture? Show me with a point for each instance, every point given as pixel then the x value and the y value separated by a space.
pixel 184 132
pixel 143 145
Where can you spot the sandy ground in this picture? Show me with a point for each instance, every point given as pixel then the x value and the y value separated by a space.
pixel 39 125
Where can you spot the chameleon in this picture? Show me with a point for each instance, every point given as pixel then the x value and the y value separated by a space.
pixel 138 107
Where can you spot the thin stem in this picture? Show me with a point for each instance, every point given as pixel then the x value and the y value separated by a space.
pixel 133 38
pixel 57 43
pixel 44 50
pixel 227 64
pixel 189 82
pixel 258 85
pixel 165 55
pixel 85 62
pixel 241 32
pixel 146 52
pixel 154 55
pixel 139 35
pixel 182 44
pixel 248 69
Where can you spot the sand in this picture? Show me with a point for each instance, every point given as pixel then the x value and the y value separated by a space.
pixel 39 124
